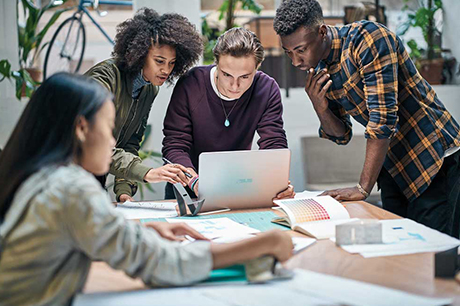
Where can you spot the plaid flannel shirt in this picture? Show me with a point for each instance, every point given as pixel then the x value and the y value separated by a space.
pixel 376 82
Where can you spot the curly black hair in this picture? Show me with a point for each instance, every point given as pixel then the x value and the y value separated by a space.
pixel 292 14
pixel 136 35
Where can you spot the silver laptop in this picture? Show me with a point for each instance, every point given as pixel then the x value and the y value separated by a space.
pixel 242 179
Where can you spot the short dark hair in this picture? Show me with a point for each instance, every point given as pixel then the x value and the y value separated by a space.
pixel 45 133
pixel 292 14
pixel 136 35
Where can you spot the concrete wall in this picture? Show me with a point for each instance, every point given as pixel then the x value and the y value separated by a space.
pixel 451 26
pixel 10 107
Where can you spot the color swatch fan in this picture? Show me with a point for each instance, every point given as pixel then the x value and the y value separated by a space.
pixel 316 217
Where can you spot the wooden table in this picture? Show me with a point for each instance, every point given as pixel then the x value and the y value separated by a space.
pixel 411 273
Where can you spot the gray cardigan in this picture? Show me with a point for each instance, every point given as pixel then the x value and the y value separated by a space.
pixel 60 220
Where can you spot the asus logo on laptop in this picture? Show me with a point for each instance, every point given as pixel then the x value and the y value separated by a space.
pixel 244 181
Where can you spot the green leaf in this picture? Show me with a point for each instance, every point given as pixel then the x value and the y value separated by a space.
pixel 252 6
pixel 5 69
pixel 149 187
pixel 223 9
pixel 23 80
pixel 415 50
pixel 39 37
pixel 29 39
pixel 148 130
pixel 403 28
pixel 140 187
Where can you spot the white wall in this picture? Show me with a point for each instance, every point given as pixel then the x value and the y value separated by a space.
pixel 10 107
pixel 188 8
pixel 451 28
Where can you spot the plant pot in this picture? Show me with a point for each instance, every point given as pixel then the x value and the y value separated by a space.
pixel 431 70
pixel 36 75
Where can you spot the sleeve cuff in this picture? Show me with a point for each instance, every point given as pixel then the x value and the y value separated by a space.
pixel 201 265
pixel 123 187
pixel 374 131
pixel 138 172
pixel 342 140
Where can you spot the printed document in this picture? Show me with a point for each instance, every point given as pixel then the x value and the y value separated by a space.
pixel 404 236
pixel 217 227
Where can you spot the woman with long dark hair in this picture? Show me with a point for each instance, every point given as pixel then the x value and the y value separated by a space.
pixel 150 49
pixel 55 218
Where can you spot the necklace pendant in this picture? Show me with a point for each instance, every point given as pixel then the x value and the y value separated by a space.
pixel 227 123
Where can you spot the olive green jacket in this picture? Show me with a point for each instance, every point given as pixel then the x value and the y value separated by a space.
pixel 130 123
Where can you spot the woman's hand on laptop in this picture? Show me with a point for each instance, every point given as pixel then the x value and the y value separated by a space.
pixel 175 231
pixel 286 193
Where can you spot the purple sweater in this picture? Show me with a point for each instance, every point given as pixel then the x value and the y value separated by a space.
pixel 194 122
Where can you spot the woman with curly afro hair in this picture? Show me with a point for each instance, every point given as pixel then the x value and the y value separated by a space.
pixel 150 49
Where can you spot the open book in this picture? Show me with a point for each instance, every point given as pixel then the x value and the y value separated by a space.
pixel 316 217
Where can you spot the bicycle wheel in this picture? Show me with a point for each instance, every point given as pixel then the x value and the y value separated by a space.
pixel 66 48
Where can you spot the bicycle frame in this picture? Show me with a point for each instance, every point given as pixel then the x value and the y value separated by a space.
pixel 82 8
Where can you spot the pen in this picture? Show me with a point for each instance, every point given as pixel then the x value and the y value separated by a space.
pixel 169 162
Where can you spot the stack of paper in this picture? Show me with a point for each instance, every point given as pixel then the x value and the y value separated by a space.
pixel 404 236
pixel 144 210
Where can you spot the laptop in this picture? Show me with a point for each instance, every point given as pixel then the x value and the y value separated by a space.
pixel 242 179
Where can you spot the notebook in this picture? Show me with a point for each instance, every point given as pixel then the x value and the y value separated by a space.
pixel 316 217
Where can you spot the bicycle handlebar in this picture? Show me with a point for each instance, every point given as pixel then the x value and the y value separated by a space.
pixel 96 3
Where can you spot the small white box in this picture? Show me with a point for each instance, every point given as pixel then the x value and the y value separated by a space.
pixel 365 231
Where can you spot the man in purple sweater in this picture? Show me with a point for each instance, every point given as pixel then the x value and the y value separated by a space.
pixel 220 107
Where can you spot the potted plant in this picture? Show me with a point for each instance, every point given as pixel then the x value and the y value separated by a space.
pixel 421 14
pixel 30 42
pixel 228 7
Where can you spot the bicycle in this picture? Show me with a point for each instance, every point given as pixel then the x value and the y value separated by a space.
pixel 67 46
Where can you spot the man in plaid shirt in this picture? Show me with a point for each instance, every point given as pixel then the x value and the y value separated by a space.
pixel 363 70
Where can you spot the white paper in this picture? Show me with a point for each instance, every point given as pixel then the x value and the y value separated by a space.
pixel 301 243
pixel 305 289
pixel 307 194
pixel 147 210
pixel 217 227
pixel 404 236
pixel 322 229
pixel 154 205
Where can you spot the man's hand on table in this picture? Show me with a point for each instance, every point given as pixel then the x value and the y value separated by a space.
pixel 345 194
